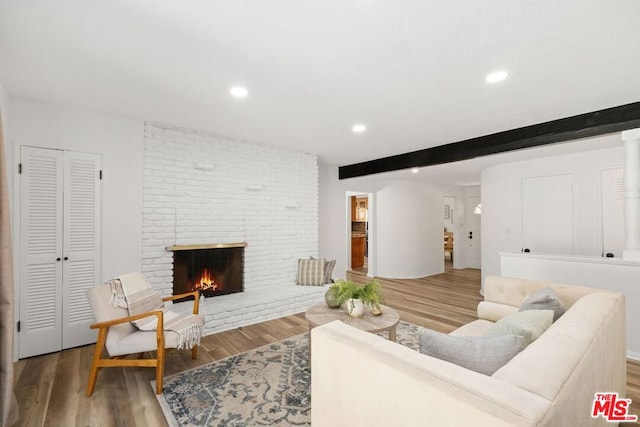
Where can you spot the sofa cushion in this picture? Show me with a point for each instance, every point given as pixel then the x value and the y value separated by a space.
pixel 483 354
pixel 311 272
pixel 529 324
pixel 544 299
pixel 476 328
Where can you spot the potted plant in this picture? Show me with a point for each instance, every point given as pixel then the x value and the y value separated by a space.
pixel 371 295
pixel 357 296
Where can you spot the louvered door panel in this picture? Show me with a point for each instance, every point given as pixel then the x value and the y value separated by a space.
pixel 41 246
pixel 81 244
pixel 612 210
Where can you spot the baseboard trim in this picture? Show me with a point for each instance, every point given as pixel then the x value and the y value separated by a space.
pixel 633 356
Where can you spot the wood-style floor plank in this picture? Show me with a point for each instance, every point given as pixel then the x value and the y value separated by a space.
pixel 50 389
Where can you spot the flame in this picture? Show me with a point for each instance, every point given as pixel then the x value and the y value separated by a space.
pixel 206 281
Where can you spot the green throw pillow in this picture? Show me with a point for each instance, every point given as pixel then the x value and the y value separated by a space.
pixel 483 354
pixel 544 299
pixel 529 324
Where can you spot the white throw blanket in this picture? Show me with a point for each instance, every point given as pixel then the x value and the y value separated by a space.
pixel 133 292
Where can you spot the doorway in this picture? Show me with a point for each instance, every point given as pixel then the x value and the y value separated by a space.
pixel 359 206
pixel 449 203
pixel 474 232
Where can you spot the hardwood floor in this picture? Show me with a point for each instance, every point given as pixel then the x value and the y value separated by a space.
pixel 51 388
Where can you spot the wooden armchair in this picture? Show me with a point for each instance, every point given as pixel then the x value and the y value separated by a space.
pixel 121 338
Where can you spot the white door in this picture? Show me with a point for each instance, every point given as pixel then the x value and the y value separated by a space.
pixel 474 233
pixel 81 245
pixel 60 248
pixel 41 184
pixel 547 212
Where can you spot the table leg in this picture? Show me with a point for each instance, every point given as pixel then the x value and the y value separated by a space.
pixel 392 333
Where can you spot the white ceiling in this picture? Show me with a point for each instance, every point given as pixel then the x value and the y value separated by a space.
pixel 413 71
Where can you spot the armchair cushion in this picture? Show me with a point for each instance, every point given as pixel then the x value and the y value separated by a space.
pixel 141 341
pixel 132 290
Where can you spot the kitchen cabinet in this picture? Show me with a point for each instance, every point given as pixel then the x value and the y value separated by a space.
pixel 358 245
pixel 354 207
pixel 361 206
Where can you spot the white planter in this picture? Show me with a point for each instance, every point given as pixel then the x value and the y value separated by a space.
pixel 355 307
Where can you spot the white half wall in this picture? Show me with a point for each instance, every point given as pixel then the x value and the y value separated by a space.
pixel 502 201
pixel 119 141
pixel 593 272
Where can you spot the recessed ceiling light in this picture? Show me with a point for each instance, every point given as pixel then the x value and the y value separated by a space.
pixel 415 170
pixel 359 128
pixel 239 91
pixel 497 76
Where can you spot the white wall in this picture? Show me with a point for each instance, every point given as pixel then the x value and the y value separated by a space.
pixel 501 201
pixel 119 141
pixel 334 215
pixel 453 211
pixel 335 227
pixel 409 229
pixel 205 189
pixel 8 148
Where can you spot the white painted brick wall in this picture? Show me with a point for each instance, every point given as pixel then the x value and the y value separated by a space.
pixel 200 188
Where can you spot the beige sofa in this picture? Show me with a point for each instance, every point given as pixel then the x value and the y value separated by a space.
pixel 361 379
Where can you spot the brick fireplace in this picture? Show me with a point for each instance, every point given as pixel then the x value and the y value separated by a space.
pixel 214 269
pixel 201 189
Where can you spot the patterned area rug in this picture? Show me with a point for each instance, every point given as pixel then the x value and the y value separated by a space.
pixel 269 385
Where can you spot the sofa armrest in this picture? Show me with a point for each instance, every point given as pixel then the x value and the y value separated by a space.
pixel 494 311
pixel 360 378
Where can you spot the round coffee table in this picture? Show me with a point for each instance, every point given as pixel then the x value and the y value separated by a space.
pixel 320 314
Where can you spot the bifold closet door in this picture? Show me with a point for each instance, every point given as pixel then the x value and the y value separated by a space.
pixel 612 211
pixel 59 248
pixel 81 245
pixel 41 210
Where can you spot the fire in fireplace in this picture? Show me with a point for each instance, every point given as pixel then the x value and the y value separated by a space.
pixel 211 269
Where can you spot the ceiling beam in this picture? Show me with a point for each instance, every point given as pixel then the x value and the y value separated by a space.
pixel 615 119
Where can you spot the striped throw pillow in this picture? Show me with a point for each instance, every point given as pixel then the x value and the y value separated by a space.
pixel 328 270
pixel 311 272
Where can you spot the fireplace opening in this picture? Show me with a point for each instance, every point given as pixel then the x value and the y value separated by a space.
pixel 212 271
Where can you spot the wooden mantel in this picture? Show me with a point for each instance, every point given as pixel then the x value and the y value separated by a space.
pixel 207 246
